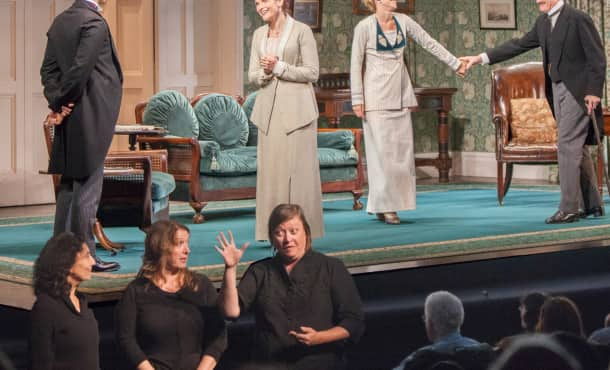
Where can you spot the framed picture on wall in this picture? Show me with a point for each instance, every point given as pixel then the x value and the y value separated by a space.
pixel 404 6
pixel 308 12
pixel 498 14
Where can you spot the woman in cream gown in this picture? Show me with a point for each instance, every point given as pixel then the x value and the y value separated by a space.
pixel 284 64
pixel 381 95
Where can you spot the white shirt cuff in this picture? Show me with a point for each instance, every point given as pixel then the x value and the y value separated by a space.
pixel 484 58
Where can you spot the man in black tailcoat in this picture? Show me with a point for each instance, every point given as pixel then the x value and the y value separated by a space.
pixel 82 81
pixel 575 67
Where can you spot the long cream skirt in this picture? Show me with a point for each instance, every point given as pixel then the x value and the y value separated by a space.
pixel 390 160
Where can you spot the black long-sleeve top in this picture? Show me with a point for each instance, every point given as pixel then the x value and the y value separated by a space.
pixel 61 337
pixel 319 293
pixel 171 330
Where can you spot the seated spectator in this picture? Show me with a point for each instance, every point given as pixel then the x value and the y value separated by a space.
pixel 561 317
pixel 167 317
pixel 443 318
pixel 529 310
pixel 64 332
pixel 306 305
pixel 602 336
pixel 538 352
pixel 560 314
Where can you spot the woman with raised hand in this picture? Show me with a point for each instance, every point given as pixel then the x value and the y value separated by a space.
pixel 167 317
pixel 306 304
pixel 382 94
pixel 284 65
pixel 64 332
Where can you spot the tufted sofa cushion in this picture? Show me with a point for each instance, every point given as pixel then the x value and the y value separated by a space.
pixel 222 119
pixel 532 122
pixel 172 111
pixel 248 106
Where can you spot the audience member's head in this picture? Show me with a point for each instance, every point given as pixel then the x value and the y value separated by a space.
pixel 560 314
pixel 63 263
pixel 443 314
pixel 607 321
pixel 166 248
pixel 538 352
pixel 285 212
pixel 529 308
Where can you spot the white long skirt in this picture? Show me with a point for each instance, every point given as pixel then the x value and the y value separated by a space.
pixel 288 172
pixel 390 159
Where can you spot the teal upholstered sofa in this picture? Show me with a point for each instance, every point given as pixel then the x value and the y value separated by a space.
pixel 212 149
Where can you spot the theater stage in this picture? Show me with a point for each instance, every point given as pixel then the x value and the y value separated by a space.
pixel 452 223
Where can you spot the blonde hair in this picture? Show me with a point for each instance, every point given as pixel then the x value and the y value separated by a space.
pixel 370 4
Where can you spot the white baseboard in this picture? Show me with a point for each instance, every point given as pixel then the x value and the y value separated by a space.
pixel 481 164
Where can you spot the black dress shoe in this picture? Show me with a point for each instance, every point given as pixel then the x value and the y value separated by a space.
pixel 562 218
pixel 595 212
pixel 101 266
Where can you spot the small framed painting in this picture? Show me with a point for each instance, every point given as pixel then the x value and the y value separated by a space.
pixel 403 6
pixel 498 14
pixel 308 12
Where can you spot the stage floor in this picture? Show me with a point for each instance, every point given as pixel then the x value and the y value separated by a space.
pixel 453 223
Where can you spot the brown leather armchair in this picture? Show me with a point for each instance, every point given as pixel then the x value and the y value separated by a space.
pixel 518 81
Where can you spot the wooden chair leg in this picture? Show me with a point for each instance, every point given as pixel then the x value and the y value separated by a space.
pixel 98 232
pixel 508 178
pixel 357 203
pixel 500 182
pixel 197 207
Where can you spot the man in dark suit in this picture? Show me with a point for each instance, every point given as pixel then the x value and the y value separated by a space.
pixel 82 81
pixel 575 67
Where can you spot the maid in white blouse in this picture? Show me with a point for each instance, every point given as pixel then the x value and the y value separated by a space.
pixel 381 95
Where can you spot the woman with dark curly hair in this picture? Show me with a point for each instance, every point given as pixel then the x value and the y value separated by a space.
pixel 64 332
pixel 167 317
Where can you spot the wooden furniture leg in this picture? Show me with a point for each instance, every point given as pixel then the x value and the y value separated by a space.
pixel 98 232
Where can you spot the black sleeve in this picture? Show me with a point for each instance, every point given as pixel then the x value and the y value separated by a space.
pixel 92 36
pixel 595 69
pixel 215 330
pixel 346 301
pixel 41 336
pixel 248 286
pixel 515 47
pixel 125 326
pixel 50 74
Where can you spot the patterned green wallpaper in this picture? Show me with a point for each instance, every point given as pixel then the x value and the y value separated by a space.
pixel 455 23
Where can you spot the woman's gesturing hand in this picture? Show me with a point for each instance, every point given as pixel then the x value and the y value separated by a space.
pixel 231 254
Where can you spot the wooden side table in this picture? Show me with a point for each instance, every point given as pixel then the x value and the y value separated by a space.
pixel 133 130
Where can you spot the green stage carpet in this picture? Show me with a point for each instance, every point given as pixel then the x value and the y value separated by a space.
pixel 449 220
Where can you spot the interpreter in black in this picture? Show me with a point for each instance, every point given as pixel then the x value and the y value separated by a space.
pixel 168 317
pixel 64 332
pixel 306 304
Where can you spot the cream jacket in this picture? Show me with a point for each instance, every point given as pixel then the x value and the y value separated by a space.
pixel 379 79
pixel 286 95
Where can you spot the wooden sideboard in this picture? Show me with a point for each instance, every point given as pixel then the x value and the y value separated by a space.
pixel 334 101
